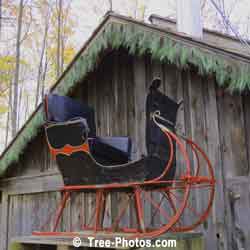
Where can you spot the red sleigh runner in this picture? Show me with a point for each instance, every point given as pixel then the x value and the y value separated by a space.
pixel 164 181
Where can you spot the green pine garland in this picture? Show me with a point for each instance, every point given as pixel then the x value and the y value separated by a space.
pixel 229 73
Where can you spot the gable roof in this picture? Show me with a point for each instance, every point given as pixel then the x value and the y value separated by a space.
pixel 231 70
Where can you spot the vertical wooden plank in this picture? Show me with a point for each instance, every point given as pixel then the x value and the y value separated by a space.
pixel 184 126
pixel 26 215
pixel 46 206
pixel 75 212
pixel 232 133
pixel 32 213
pixel 35 211
pixel 172 80
pixel 148 69
pixel 216 224
pixel 93 101
pixel 246 110
pixel 198 133
pixel 112 80
pixel 115 129
pixel 0 207
pixel 4 221
pixel 11 220
pixel 131 124
pixel 102 97
pixel 66 217
pixel 84 90
pixel 140 100
pixel 15 216
pixel 123 129
pixel 140 90
pixel 20 211
pixel 130 101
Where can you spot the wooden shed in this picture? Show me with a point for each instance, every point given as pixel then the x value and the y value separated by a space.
pixel 112 72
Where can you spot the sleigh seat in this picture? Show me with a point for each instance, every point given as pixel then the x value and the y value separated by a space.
pixel 84 158
pixel 62 111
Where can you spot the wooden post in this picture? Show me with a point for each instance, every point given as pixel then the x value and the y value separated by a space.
pixel 189 17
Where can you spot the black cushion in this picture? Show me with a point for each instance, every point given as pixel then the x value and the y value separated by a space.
pixel 122 143
pixel 110 150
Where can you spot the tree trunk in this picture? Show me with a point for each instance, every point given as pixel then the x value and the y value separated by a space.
pixel 7 129
pixel 8 116
pixel 59 24
pixel 19 106
pixel 26 108
pixel 40 67
pixel 62 54
pixel 0 17
pixel 44 76
pixel 17 69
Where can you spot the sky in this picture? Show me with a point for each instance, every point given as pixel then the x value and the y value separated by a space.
pixel 87 19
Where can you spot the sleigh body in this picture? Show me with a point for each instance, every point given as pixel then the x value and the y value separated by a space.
pixel 91 163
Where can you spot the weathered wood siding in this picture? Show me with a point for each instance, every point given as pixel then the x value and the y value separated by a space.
pixel 218 121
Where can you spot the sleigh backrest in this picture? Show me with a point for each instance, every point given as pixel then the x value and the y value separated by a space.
pixel 157 101
pixel 64 109
pixel 73 133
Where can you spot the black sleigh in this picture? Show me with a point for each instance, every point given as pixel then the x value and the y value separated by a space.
pixel 91 163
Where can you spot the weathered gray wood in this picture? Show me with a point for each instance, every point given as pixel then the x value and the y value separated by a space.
pixel 184 125
pixel 233 147
pixel 173 80
pixel 131 123
pixel 238 191
pixel 199 132
pixel 51 181
pixel 232 134
pixel 216 229
pixel 117 119
pixel 140 99
pixel 66 222
pixel 10 220
pixel 0 206
pixel 4 221
pixel 123 129
pixel 246 104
